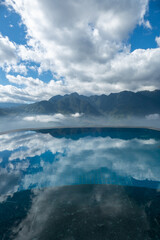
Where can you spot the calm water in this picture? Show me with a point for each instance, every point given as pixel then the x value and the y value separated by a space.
pixel 80 184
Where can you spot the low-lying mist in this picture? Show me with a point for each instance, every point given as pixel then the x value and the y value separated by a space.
pixel 75 120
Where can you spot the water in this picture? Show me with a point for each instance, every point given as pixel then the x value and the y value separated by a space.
pixel 88 183
pixel 49 158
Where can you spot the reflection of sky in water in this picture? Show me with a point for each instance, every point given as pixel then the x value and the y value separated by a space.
pixel 35 160
pixel 82 212
pixel 66 157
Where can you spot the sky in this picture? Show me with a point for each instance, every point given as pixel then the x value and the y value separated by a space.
pixel 51 47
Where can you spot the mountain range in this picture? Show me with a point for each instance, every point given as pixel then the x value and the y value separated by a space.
pixel 121 104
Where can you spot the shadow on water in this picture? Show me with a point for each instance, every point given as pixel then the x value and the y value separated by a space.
pixel 112 132
pixel 82 212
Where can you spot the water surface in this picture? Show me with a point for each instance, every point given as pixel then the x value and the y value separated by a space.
pixel 61 157
pixel 80 183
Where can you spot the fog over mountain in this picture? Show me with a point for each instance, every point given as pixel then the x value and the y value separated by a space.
pixel 117 109
pixel 74 120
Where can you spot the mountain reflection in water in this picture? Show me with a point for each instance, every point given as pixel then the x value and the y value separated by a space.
pixel 116 173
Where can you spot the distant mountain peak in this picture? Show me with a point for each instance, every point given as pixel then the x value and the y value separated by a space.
pixel 75 94
pixel 125 103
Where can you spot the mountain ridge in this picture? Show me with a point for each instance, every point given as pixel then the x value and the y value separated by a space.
pixel 125 103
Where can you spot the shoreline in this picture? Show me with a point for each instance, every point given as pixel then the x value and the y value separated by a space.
pixel 78 127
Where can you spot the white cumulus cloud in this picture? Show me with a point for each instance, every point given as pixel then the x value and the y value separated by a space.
pixel 7 52
pixel 84 42
pixel 158 41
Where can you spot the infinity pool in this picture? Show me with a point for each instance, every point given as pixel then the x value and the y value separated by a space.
pixel 104 181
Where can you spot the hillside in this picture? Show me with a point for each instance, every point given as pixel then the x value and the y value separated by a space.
pixel 122 104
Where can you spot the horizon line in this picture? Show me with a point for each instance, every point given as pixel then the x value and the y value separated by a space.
pixel 78 127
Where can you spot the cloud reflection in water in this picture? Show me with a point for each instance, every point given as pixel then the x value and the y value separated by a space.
pixel 42 159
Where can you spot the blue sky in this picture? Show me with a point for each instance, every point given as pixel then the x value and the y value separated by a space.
pixel 143 37
pixel 50 47
pixel 13 27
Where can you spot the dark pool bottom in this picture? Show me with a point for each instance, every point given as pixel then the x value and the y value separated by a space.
pixel 92 212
